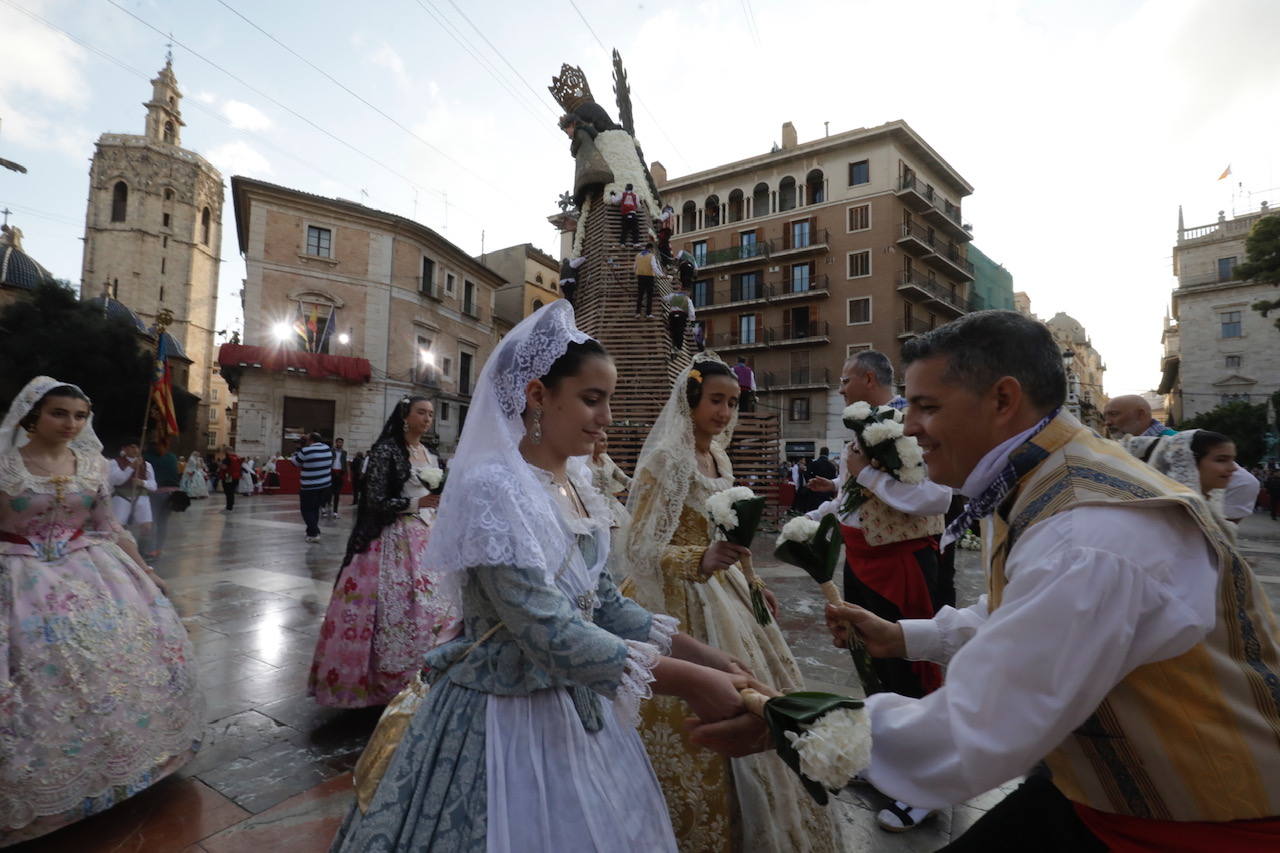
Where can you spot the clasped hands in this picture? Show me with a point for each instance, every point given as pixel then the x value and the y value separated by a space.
pixel 745 733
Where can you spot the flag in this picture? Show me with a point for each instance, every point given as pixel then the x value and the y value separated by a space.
pixel 313 328
pixel 165 420
pixel 328 329
pixel 300 329
pixel 1225 172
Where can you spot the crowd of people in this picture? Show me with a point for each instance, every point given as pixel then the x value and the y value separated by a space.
pixel 576 663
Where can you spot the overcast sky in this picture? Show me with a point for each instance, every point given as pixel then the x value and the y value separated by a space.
pixel 1082 125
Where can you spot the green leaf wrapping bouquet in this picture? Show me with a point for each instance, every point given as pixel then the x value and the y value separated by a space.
pixel 736 514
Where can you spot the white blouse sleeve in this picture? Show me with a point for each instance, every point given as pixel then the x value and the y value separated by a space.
pixel 927 498
pixel 1075 620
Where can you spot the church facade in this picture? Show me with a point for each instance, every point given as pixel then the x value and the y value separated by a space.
pixel 153 228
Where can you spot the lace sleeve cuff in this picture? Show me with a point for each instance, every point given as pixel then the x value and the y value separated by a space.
pixel 661 630
pixel 637 675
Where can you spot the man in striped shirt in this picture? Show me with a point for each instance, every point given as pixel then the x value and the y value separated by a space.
pixel 315 462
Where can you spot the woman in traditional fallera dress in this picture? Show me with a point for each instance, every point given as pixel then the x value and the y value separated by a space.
pixel 195 479
pixel 716 804
pixel 526 740
pixel 98 694
pixel 387 611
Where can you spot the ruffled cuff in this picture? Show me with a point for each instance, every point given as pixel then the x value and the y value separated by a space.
pixel 637 675
pixel 661 630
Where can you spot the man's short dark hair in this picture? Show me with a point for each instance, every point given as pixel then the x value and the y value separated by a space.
pixel 875 362
pixel 339 438
pixel 823 451
pixel 983 347
pixel 315 436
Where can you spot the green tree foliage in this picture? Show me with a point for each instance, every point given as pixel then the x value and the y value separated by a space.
pixel 1244 423
pixel 1262 261
pixel 54 334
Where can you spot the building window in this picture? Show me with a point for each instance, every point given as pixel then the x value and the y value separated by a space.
pixel 205 220
pixel 162 260
pixel 537 303
pixel 448 284
pixel 860 264
pixel 168 194
pixel 745 286
pixel 798 410
pixel 211 441
pixel 427 283
pixel 700 253
pixel 786 194
pixel 853 349
pixel 860 217
pixel 164 220
pixel 858 311
pixel 319 242
pixel 1234 398
pixel 444 412
pixel 213 395
pixel 747 329
pixel 462 417
pixel 168 132
pixel 815 187
pixel 164 242
pixel 1233 361
pixel 1231 324
pixel 422 372
pixel 162 286
pixel 800 234
pixel 464 372
pixel 1226 269
pixel 859 173
pixel 703 293
pixel 119 201
pixel 469 299
pixel 747 244
pixel 801 278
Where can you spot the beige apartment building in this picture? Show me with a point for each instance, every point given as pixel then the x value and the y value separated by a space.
pixel 1216 347
pixel 816 250
pixel 533 280
pixel 347 310
pixel 153 228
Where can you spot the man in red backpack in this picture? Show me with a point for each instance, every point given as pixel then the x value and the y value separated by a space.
pixel 628 204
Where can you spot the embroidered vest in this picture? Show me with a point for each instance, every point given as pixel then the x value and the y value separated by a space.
pixel 884 525
pixel 1194 737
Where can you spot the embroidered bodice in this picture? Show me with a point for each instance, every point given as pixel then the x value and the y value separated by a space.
pixel 46 517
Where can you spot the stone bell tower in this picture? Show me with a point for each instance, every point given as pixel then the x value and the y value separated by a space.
pixel 153 230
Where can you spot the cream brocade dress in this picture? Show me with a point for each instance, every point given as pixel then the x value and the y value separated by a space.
pixel 716 803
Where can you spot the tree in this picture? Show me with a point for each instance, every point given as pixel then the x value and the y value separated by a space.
pixel 1244 423
pixel 54 334
pixel 1262 261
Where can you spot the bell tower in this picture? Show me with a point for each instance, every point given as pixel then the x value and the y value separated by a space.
pixel 164 114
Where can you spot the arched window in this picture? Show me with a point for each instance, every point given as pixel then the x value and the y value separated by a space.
pixel 689 217
pixel 760 200
pixel 168 194
pixel 786 193
pixel 168 132
pixel 205 216
pixel 735 206
pixel 711 212
pixel 119 201
pixel 815 187
pixel 537 303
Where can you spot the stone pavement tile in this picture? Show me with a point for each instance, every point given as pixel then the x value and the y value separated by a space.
pixel 236 736
pixel 340 729
pixel 228 668
pixel 256 690
pixel 269 776
pixel 304 823
pixel 295 615
pixel 858 832
pixel 171 815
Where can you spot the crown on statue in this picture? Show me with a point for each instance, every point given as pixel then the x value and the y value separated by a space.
pixel 570 89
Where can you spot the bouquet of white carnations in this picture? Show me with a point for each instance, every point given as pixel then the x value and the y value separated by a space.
pixel 824 738
pixel 815 547
pixel 879 432
pixel 736 513
pixel 433 479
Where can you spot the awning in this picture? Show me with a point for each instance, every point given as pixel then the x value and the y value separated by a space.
pixel 1168 375
pixel 236 358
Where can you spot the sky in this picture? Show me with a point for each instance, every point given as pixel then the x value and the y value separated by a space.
pixel 1082 126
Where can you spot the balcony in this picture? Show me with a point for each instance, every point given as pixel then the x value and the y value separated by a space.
pixel 950 260
pixel 916 288
pixel 804 378
pixel 916 240
pixel 786 291
pixel 911 191
pixel 722 258
pixel 818 332
pixel 923 199
pixel 734 342
pixel 793 244
pixel 913 327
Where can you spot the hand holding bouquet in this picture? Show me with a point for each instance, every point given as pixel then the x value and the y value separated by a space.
pixel 433 479
pixel 736 514
pixel 879 433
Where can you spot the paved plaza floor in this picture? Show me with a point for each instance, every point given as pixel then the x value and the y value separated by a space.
pixel 275 770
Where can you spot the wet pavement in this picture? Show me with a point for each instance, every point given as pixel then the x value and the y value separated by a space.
pixel 274 772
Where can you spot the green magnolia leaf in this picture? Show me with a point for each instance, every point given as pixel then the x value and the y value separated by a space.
pixel 795 712
pixel 749 513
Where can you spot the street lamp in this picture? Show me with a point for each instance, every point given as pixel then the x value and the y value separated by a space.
pixel 344 338
pixel 282 331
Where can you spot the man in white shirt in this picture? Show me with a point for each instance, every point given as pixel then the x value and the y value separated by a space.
pixel 1123 640
pixel 132 481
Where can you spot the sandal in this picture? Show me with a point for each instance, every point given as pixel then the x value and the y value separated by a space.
pixel 900 817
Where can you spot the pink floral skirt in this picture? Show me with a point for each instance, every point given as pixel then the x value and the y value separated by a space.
pixel 384 616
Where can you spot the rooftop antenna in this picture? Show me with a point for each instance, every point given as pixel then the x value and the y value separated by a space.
pixel 826 128
pixel 168 53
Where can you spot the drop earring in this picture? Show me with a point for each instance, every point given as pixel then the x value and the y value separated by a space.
pixel 535 433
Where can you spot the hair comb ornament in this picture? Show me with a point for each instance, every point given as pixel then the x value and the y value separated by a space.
pixel 696 375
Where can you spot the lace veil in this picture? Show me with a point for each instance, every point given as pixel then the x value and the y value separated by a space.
pixel 664 473
pixel 494 511
pixel 13 436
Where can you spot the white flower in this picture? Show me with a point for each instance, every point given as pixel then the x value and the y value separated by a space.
pixel 720 505
pixel 798 529
pixel 886 410
pixel 858 411
pixel 908 450
pixel 911 475
pixel 880 432
pixel 431 477
pixel 970 542
pixel 835 748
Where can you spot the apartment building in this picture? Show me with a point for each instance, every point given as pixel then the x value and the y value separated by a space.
pixel 816 250
pixel 533 280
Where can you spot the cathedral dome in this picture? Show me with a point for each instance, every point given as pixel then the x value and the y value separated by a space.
pixel 116 309
pixel 17 268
